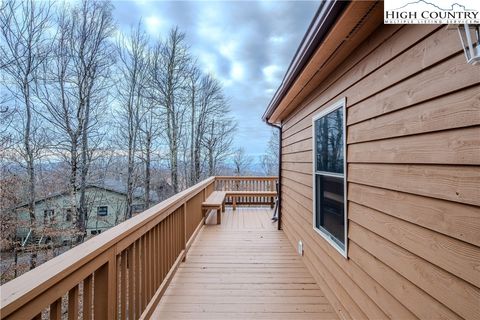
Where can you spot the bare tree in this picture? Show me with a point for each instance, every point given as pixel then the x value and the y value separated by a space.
pixel 24 47
pixel 212 106
pixel 6 118
pixel 150 128
pixel 57 92
pixel 74 90
pixel 168 76
pixel 269 160
pixel 192 87
pixel 217 142
pixel 132 67
pixel 241 162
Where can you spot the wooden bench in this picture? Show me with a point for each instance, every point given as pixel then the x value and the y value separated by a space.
pixel 236 194
pixel 215 201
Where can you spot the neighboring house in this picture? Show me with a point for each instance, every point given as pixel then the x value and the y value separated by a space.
pixel 106 208
pixel 380 176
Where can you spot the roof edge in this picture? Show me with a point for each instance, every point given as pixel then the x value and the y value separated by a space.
pixel 323 21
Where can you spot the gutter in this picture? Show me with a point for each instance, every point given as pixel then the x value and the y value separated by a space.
pixel 279 205
pixel 324 19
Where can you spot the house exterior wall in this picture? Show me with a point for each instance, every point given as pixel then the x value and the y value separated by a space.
pixel 413 156
pixel 96 197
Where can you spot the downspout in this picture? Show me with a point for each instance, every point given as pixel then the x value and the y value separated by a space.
pixel 279 196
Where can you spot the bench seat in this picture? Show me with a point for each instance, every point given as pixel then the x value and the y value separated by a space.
pixel 215 201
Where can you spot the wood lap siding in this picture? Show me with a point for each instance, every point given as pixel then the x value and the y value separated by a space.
pixel 413 153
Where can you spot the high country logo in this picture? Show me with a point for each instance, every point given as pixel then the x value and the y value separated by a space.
pixel 431 12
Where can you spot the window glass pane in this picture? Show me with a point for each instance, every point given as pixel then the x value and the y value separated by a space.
pixel 329 142
pixel 102 211
pixel 330 207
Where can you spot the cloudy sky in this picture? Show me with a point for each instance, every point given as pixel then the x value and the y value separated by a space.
pixel 247 45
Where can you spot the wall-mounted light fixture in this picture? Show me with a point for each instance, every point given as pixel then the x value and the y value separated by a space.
pixel 470 36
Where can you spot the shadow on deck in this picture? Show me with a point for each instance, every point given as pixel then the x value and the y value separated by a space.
pixel 243 269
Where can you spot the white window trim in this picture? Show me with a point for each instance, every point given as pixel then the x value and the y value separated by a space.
pixel 342 103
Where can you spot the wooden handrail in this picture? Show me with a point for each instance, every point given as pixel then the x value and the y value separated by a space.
pixel 260 178
pixel 125 269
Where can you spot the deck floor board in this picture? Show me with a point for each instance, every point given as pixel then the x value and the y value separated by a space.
pixel 243 269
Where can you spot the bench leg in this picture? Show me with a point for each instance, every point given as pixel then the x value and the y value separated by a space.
pixel 223 206
pixel 234 203
pixel 271 203
pixel 219 215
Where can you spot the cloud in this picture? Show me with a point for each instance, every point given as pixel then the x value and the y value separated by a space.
pixel 247 45
pixel 272 72
pixel 154 24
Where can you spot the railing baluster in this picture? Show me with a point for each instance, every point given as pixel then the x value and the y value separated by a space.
pixel 162 246
pixel 138 304
pixel 149 265
pixel 131 292
pixel 158 256
pixel 169 243
pixel 152 262
pixel 174 233
pixel 123 285
pixel 154 258
pixel 144 272
pixel 118 285
pixel 101 291
pixel 153 286
pixel 56 310
pixel 87 298
pixel 73 303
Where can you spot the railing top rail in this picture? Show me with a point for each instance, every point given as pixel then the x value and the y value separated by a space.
pixel 33 283
pixel 246 178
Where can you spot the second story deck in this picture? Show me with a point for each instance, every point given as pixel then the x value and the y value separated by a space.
pixel 172 262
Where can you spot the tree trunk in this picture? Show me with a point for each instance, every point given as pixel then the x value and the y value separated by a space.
pixel 30 168
pixel 198 170
pixel 211 163
pixel 147 169
pixel 131 163
pixel 192 137
pixel 173 133
pixel 83 211
pixel 73 179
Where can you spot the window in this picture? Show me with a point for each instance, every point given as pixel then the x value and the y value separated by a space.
pixel 68 215
pixel 329 218
pixel 48 214
pixel 102 211
pixel 139 207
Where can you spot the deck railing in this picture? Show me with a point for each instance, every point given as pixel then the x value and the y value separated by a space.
pixel 122 273
pixel 234 183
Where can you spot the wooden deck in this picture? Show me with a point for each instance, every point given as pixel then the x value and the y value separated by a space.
pixel 243 269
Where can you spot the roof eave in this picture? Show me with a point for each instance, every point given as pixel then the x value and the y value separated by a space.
pixel 325 18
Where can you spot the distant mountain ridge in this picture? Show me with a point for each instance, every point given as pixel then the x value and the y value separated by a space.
pixel 420 2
